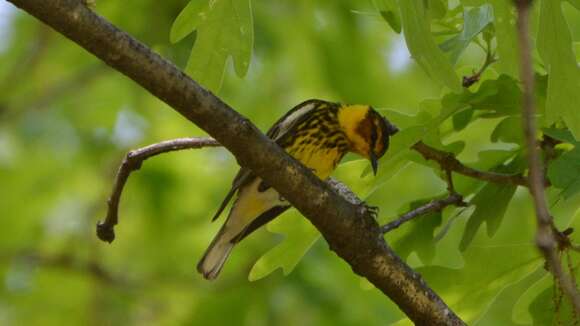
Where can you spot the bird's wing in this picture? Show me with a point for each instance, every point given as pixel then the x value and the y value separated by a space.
pixel 266 217
pixel 244 176
pixel 291 119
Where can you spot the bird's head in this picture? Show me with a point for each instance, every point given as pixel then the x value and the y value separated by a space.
pixel 367 131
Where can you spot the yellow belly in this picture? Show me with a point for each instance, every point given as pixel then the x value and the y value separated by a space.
pixel 251 203
pixel 321 161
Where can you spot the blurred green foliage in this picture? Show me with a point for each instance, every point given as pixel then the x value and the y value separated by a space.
pixel 66 121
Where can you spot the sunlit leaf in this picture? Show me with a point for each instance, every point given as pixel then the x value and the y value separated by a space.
pixel 475 21
pixel 224 28
pixel 505 31
pixel 536 304
pixel 437 8
pixel 502 309
pixel 555 48
pixel 189 19
pixel 423 47
pixel 489 267
pixel 389 10
pixel 299 236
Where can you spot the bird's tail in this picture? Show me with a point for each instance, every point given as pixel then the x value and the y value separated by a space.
pixel 216 255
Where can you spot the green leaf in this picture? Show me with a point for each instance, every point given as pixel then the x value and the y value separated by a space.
pixel 490 206
pixel 479 282
pixel 555 48
pixel 437 8
pixel 505 28
pixel 509 130
pixel 564 172
pixel 188 19
pixel 224 29
pixel 423 47
pixel 475 21
pixel 500 97
pixel 299 234
pixel 575 3
pixel 419 234
pixel 534 306
pixel 502 309
pixel 562 135
pixel 491 203
pixel 389 10
pixel 462 118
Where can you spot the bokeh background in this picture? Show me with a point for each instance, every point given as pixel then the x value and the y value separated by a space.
pixel 67 120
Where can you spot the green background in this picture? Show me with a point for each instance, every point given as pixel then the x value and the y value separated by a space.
pixel 67 120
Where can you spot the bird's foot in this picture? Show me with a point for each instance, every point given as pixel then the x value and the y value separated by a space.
pixel 372 210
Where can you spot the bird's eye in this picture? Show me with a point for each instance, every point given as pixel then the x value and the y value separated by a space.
pixel 373 137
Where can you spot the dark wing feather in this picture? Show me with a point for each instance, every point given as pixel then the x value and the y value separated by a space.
pixel 244 176
pixel 292 118
pixel 266 217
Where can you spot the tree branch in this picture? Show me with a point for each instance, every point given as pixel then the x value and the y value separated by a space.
pixel 448 162
pixel 132 162
pixel 546 233
pixel 433 206
pixel 349 230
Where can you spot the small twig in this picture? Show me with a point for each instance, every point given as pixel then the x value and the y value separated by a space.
pixel 132 162
pixel 448 162
pixel 449 179
pixel 546 233
pixel 489 60
pixel 433 206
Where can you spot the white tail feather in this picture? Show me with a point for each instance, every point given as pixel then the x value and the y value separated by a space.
pixel 215 256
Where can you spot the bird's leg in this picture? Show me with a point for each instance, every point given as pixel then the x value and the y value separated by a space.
pixel 372 210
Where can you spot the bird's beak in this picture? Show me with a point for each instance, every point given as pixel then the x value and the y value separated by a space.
pixel 374 162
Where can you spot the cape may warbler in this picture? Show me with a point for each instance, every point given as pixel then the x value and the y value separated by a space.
pixel 318 134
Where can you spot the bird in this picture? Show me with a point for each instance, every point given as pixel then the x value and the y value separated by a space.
pixel 317 133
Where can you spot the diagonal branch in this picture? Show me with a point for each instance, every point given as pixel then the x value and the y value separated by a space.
pixel 546 235
pixel 448 162
pixel 350 231
pixel 132 162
